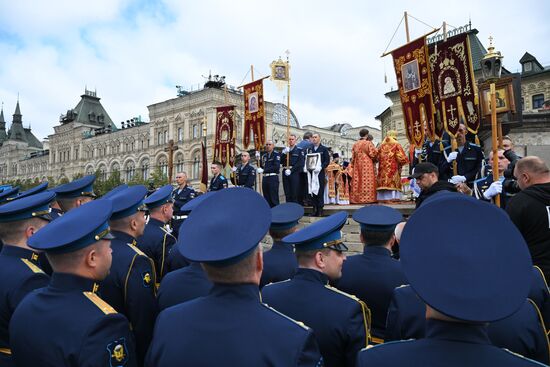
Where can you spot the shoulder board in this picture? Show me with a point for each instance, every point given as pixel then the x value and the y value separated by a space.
pixel 541 275
pixel 370 346
pixel 33 267
pixel 101 304
pixel 136 249
pixel 522 357
pixel 280 281
pixel 343 293
pixel 299 323
pixel 480 180
pixel 402 286
pixel 447 147
pixel 474 145
pixel 222 177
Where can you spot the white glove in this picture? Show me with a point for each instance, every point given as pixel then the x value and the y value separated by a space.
pixel 286 150
pixel 257 155
pixel 260 170
pixel 452 156
pixel 234 169
pixel 493 190
pixel 455 180
pixel 417 152
pixel 287 172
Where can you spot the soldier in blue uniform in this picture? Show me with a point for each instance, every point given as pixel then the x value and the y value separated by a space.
pixel 464 283
pixel 217 182
pixel 187 282
pixel 232 318
pixel 373 275
pixel 157 241
pixel 67 323
pixel 245 173
pixel 270 166
pixel 280 262
pixel 181 194
pixel 468 158
pixel 19 268
pixel 339 320
pixel 130 286
pixel 318 200
pixel 8 194
pixel 73 194
pixel 523 332
pixel 33 190
pixel 291 174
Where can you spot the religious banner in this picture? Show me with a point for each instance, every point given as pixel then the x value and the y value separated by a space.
pixel 224 141
pixel 453 85
pixel 254 114
pixel 414 83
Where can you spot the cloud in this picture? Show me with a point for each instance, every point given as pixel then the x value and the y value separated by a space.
pixel 136 52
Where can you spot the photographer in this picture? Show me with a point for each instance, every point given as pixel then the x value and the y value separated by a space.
pixel 510 184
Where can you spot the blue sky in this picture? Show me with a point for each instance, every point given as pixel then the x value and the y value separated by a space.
pixel 135 52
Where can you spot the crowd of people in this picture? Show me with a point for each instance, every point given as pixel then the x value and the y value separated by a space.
pixel 154 279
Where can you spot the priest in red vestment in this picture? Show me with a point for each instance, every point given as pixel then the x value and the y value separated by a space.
pixel 391 158
pixel 363 170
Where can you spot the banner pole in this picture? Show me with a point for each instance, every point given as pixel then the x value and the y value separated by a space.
pixel 494 138
pixel 407 27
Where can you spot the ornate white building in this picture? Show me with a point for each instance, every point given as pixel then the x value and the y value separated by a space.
pixel 86 139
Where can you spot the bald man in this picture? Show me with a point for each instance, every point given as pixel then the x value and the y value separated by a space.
pixel 530 209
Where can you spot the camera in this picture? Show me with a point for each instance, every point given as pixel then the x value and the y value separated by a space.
pixel 510 184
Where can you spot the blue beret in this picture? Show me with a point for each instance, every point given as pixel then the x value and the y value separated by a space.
pixel 33 190
pixel 377 218
pixel 192 204
pixel 115 191
pixel 325 233
pixel 161 196
pixel 286 215
pixel 466 259
pixel 34 206
pixel 80 187
pixel 76 229
pixel 225 228
pixel 8 194
pixel 128 202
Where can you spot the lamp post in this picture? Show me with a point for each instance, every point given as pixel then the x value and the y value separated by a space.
pixel 491 67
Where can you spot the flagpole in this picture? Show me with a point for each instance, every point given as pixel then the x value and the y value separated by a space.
pixel 288 108
pixel 407 27
pixel 494 134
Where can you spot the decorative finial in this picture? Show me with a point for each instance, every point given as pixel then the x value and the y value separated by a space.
pixel 287 52
pixel 491 50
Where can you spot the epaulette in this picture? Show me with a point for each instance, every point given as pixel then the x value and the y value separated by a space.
pixel 280 281
pixel 475 145
pixel 301 324
pixel 402 286
pixel 222 177
pixel 101 304
pixel 343 293
pixel 541 275
pixel 522 357
pixel 33 267
pixel 136 249
pixel 387 343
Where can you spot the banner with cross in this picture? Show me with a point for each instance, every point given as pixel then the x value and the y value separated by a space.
pixel 413 79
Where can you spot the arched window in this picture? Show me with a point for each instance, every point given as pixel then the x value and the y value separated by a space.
pixel 130 170
pixel 196 165
pixel 102 173
pixel 179 162
pixel 180 134
pixel 90 170
pixel 145 169
pixel 163 165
